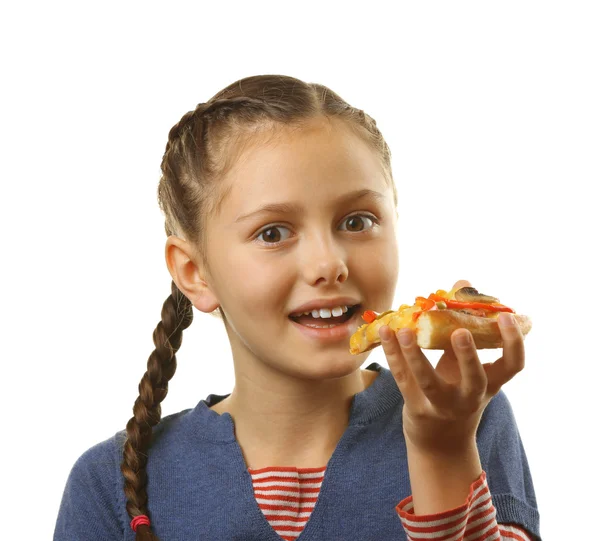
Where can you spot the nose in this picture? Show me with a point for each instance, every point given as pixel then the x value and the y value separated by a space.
pixel 324 260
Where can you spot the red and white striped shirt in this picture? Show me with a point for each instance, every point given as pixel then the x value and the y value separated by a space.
pixel 287 496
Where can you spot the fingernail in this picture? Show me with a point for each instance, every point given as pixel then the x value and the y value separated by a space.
pixel 506 320
pixel 405 337
pixel 463 339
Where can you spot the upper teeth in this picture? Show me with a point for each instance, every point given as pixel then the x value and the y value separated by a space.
pixel 326 312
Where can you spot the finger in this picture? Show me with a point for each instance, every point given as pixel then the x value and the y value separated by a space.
pixel 513 354
pixel 398 366
pixel 473 377
pixel 432 385
pixel 461 283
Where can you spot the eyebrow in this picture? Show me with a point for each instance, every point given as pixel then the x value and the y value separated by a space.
pixel 290 208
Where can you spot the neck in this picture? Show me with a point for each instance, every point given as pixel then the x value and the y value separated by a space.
pixel 283 421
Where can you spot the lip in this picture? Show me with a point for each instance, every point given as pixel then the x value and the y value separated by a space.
pixel 324 303
pixel 333 335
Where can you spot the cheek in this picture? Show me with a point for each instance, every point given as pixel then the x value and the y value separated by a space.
pixel 381 256
pixel 259 285
pixel 386 271
pixel 378 268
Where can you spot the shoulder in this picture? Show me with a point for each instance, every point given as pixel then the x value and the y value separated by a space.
pixel 95 465
pixel 91 505
pixel 98 465
pixel 107 455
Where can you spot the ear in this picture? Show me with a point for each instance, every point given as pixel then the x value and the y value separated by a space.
pixel 189 274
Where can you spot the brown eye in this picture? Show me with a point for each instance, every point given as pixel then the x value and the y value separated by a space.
pixel 271 235
pixel 356 222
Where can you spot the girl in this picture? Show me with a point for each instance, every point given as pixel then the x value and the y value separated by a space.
pixel 280 215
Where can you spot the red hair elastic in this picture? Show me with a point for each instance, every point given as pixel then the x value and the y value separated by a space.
pixel 140 519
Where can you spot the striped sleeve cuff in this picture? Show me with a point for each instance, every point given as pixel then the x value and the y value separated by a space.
pixel 475 519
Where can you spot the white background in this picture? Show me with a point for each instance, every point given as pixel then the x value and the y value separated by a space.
pixel 492 114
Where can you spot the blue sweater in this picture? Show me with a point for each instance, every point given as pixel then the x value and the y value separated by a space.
pixel 199 487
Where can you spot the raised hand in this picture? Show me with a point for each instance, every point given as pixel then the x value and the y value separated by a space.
pixel 443 405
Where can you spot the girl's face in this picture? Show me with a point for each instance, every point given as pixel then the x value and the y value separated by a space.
pixel 323 244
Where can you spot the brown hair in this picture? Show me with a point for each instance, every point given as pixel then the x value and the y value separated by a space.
pixel 201 147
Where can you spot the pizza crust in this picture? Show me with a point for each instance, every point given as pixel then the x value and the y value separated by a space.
pixel 434 329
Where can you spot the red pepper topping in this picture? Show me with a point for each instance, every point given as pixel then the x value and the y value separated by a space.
pixel 424 304
pixel 495 307
pixel 458 305
pixel 369 316
pixel 429 303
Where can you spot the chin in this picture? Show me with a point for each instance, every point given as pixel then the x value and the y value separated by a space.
pixel 327 366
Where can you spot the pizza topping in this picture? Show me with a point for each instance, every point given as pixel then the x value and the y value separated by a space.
pixel 436 301
pixel 369 316
pixel 472 312
pixel 468 300
pixel 424 304
pixel 457 305
pixel 416 315
pixel 470 294
pixel 495 307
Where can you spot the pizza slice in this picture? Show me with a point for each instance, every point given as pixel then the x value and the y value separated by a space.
pixel 436 317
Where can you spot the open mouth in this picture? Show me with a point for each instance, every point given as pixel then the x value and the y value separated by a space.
pixel 326 322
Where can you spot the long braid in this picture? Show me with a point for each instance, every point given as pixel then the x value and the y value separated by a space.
pixel 176 315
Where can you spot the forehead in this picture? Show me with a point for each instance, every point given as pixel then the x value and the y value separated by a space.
pixel 315 163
